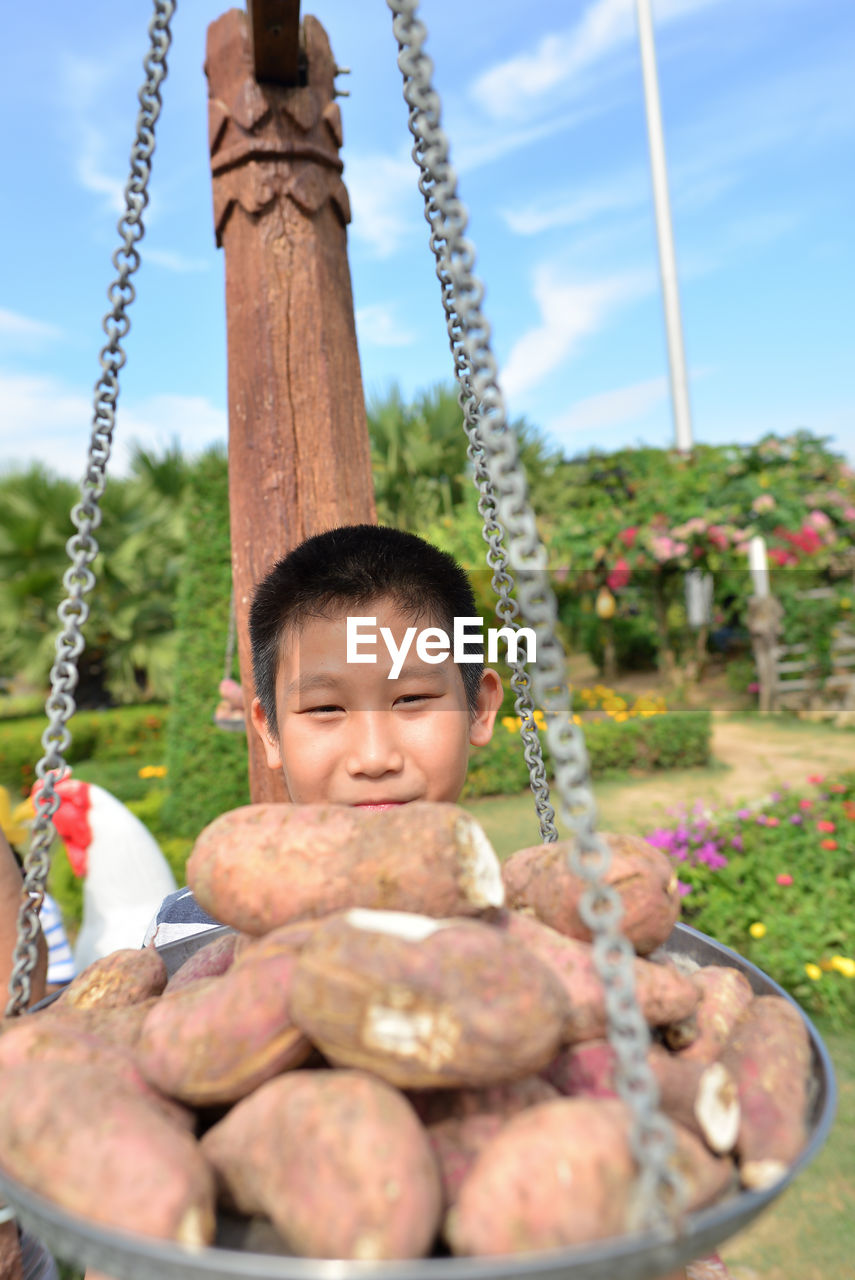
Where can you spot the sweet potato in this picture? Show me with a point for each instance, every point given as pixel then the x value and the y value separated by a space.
pixel 770 1058
pixel 339 1162
pixel 725 995
pixel 457 1142
pixel 67 1041
pixel 265 865
pixel 562 1174
pixel 663 994
pixel 209 961
pixel 119 1026
pixel 540 879
pixel 505 1100
pixel 87 1143
pixel 426 1003
pixel 121 978
pixel 216 1039
pixel 702 1096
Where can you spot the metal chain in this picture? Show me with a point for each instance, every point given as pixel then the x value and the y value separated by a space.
pixel 492 531
pixel 504 498
pixel 82 548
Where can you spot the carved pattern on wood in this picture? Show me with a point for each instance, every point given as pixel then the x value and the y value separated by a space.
pixel 266 141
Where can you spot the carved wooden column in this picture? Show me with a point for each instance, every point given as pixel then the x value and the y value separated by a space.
pixel 299 459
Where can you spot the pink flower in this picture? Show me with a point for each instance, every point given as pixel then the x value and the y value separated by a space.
pixel 806 804
pixel 818 520
pixel 619 575
pixel 815 779
pixel 717 535
pixel 628 536
pixel 763 502
pixel 784 879
pixel 849 513
pixel 825 826
pixel 828 844
pixel 754 687
pixel 773 822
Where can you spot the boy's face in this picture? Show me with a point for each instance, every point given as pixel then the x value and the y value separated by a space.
pixel 350 735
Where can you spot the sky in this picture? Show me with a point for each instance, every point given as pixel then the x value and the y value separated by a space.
pixel 544 108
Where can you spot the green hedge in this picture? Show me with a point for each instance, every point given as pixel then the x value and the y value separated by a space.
pixel 676 740
pixel 207 768
pixel 102 736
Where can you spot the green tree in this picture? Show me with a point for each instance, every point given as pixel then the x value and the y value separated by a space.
pixel 422 471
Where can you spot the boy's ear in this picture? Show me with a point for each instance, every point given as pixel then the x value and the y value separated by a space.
pixel 268 741
pixel 489 700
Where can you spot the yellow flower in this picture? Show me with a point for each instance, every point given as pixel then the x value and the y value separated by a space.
pixel 152 771
pixel 813 971
pixel 845 602
pixel 844 965
pixel 757 929
pixel 620 716
pixel 511 723
pixel 577 719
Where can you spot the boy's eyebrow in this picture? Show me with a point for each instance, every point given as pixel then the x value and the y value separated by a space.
pixel 327 680
pixel 307 684
pixel 420 671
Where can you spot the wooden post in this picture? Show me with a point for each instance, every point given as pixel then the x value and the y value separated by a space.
pixel 299 457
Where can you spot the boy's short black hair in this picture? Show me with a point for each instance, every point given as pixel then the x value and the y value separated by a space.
pixel 353 565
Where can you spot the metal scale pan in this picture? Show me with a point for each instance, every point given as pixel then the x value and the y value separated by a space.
pixel 240 1252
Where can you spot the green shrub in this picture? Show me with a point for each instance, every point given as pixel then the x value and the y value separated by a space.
pixel 207 768
pixel 675 740
pixel 104 736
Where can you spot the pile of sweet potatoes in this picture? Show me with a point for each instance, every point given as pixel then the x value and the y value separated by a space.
pixel 400 1047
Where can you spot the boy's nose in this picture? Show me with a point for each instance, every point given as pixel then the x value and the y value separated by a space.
pixel 374 750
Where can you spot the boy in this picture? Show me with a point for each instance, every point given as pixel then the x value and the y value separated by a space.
pixel 349 719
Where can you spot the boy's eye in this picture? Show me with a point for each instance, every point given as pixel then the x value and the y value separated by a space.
pixel 325 709
pixel 412 698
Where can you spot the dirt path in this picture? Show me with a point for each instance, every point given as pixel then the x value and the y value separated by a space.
pixel 752 758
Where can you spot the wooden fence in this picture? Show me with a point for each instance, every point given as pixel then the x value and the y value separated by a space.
pixel 799 679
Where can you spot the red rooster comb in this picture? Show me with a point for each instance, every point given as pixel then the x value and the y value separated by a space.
pixel 72 819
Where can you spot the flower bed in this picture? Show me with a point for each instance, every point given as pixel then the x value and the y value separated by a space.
pixel 777 883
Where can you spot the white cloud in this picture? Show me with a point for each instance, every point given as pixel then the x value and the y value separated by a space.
pixel 45 420
pixel 84 83
pixel 628 190
pixel 377 325
pixel 158 420
pixel 172 260
pixel 385 200
pixel 570 311
pixel 620 407
pixel 15 327
pixel 510 89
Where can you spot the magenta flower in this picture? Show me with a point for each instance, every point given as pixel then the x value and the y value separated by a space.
pixel 796 819
pixel 784 879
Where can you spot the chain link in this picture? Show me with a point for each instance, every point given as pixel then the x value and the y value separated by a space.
pixel 438 216
pixel 82 548
pixel 504 503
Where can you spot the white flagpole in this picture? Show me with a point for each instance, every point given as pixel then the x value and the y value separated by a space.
pixel 664 233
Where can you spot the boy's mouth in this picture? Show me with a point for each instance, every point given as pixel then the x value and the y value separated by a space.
pixel 379 804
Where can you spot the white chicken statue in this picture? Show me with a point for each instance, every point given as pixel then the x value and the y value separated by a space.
pixel 125 875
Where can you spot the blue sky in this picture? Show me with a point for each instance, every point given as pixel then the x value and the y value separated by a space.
pixel 543 104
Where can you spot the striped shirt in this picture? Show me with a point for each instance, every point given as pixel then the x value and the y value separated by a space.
pixel 60 960
pixel 179 916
